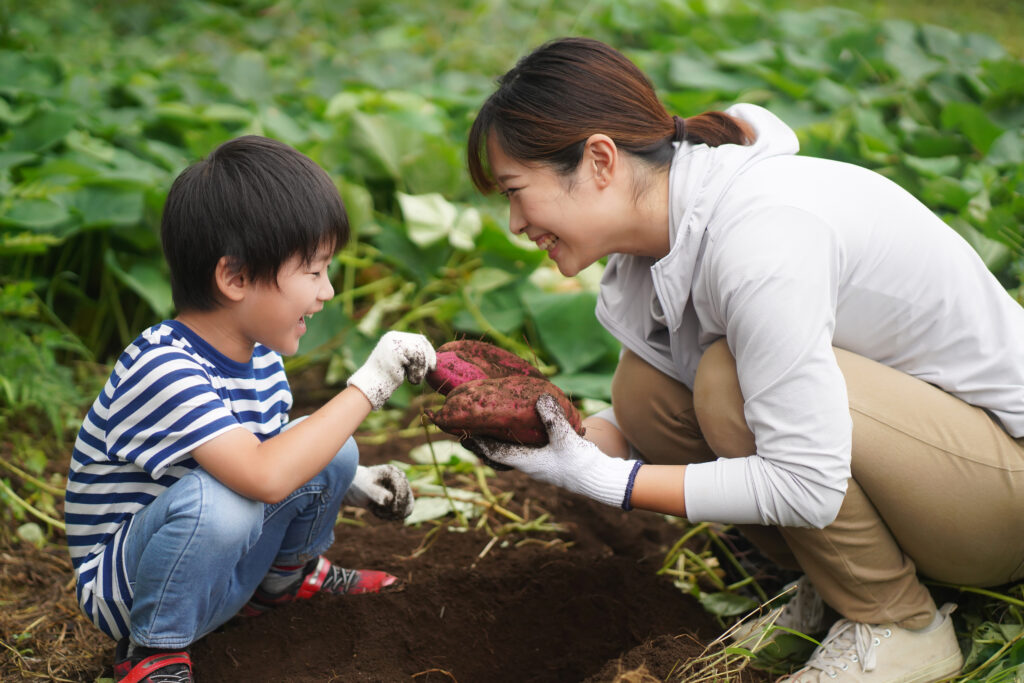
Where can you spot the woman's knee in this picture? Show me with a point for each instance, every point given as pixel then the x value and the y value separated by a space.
pixel 718 403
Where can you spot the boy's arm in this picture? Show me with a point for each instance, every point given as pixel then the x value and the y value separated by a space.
pixel 269 471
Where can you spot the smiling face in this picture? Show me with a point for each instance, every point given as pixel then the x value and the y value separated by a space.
pixel 565 216
pixel 275 316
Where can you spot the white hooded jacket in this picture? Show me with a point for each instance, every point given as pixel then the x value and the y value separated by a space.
pixel 786 256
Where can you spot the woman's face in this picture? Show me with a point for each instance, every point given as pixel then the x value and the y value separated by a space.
pixel 567 217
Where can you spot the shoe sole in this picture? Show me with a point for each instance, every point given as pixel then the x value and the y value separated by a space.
pixel 950 666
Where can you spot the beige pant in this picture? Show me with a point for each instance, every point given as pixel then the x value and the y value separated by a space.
pixel 937 485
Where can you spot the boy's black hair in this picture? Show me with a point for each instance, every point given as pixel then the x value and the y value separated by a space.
pixel 255 200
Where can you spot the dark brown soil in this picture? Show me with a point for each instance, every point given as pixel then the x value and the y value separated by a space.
pixel 527 613
pixel 585 604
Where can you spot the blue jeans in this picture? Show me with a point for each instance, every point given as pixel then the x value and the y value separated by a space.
pixel 195 555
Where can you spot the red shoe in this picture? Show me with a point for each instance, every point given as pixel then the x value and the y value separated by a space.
pixel 320 576
pixel 163 667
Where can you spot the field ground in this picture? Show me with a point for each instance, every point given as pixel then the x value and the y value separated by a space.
pixel 580 603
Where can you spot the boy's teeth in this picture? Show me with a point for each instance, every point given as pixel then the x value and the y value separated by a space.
pixel 547 242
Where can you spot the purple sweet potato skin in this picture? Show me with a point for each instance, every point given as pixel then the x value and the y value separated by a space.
pixel 503 408
pixel 464 360
pixel 452 372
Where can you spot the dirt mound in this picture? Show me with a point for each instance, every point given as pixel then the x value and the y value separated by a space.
pixel 583 603
pixel 561 608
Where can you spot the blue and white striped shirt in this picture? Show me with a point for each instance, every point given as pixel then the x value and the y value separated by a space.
pixel 169 392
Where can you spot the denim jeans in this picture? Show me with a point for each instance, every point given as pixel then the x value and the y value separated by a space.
pixel 195 555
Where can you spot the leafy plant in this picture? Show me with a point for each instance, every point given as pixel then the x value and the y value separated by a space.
pixel 101 106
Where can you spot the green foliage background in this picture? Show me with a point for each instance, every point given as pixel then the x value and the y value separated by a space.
pixel 103 103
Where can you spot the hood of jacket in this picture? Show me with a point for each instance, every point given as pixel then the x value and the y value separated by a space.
pixel 644 302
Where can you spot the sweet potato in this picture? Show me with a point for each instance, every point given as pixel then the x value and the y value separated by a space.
pixel 503 408
pixel 465 359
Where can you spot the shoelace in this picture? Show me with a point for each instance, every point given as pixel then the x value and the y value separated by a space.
pixel 848 642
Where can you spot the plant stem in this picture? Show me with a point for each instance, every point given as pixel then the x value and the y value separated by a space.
pixel 28 477
pixel 28 507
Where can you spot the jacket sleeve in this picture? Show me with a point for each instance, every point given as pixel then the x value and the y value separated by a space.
pixel 774 285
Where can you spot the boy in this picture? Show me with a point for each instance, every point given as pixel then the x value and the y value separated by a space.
pixel 190 498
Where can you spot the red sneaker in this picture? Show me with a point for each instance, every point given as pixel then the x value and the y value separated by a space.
pixel 166 666
pixel 321 576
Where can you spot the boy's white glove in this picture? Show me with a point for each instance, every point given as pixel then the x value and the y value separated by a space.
pixel 381 489
pixel 568 461
pixel 397 356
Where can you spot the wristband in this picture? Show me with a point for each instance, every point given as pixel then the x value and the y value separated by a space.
pixel 629 486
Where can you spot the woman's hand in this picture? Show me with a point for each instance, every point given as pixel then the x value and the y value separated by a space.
pixel 568 461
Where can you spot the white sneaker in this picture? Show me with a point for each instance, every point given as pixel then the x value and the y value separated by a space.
pixel 805 612
pixel 885 653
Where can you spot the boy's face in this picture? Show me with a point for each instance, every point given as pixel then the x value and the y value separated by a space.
pixel 276 316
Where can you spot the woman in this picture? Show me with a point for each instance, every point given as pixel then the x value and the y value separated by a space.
pixel 808 351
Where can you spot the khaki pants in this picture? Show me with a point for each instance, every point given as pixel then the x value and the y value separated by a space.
pixel 937 486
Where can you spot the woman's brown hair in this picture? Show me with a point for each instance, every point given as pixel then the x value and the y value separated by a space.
pixel 566 90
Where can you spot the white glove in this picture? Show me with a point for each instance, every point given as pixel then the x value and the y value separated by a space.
pixel 568 461
pixel 381 489
pixel 397 356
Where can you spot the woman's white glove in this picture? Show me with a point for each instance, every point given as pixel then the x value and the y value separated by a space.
pixel 381 489
pixel 397 356
pixel 568 461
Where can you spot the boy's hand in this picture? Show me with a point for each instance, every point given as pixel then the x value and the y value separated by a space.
pixel 568 461
pixel 397 356
pixel 381 489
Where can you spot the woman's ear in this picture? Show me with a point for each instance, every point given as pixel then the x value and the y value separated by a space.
pixel 231 280
pixel 601 157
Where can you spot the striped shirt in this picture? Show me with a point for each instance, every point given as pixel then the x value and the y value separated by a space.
pixel 169 392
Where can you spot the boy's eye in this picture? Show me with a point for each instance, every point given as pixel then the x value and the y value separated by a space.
pixel 509 191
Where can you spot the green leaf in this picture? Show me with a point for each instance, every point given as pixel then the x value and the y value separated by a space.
pixel 147 280
pixel 327 327
pixel 34 73
pixel 378 138
pixel 502 308
pixel 15 159
pixel 973 122
pixel 945 192
pixel 42 131
pixel 568 329
pixel 873 133
pixel 467 226
pixel 14 116
pixel 585 385
pixel 700 74
pixel 102 206
pixel 933 167
pixel 247 77
pixel 35 214
pixel 428 218
pixel 281 126
pixel 905 56
pixel 32 533
pixel 227 113
pixel 27 243
pixel 485 280
pixel 358 204
pixel 1007 150
pixel 727 604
